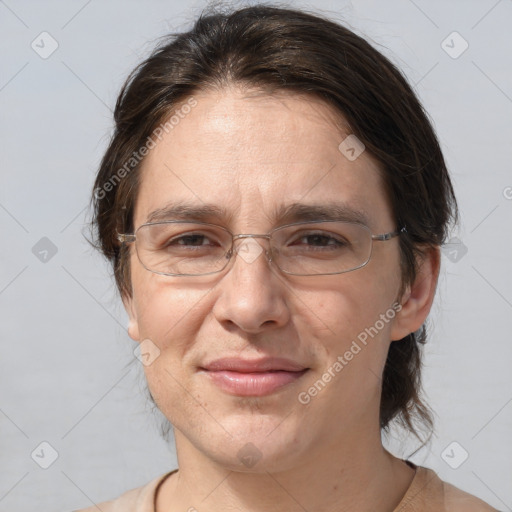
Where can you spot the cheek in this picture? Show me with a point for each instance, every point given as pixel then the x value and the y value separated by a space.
pixel 348 305
pixel 169 315
pixel 160 303
pixel 351 309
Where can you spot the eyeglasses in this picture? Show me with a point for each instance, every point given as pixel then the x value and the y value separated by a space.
pixel 190 248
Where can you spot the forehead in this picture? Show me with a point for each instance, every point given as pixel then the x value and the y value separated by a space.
pixel 249 156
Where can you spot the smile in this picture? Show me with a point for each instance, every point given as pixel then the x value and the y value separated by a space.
pixel 253 383
pixel 253 377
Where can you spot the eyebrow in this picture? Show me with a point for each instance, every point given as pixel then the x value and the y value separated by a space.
pixel 285 214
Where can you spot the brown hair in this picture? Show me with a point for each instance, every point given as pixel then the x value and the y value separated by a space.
pixel 280 49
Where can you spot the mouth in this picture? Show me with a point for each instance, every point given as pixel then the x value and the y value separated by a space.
pixel 242 377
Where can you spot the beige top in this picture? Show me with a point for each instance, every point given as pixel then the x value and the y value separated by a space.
pixel 427 493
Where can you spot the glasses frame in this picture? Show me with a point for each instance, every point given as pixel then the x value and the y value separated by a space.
pixel 126 238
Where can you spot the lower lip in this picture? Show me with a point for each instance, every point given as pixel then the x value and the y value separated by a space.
pixel 253 384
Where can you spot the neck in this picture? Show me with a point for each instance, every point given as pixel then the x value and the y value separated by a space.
pixel 354 476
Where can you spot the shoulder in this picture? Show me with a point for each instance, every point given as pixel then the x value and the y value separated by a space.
pixel 126 502
pixel 457 500
pixel 140 499
pixel 428 492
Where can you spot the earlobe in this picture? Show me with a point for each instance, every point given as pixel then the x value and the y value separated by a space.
pixel 418 297
pixel 133 325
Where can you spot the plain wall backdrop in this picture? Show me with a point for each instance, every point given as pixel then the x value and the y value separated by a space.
pixel 67 376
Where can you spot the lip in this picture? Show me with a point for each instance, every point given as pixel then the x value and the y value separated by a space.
pixel 257 377
pixel 264 364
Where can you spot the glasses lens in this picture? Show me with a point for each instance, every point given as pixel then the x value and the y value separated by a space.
pixel 182 248
pixel 322 247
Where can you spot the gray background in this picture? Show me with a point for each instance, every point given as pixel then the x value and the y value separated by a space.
pixel 66 372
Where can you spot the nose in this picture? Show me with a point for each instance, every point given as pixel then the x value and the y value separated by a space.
pixel 252 294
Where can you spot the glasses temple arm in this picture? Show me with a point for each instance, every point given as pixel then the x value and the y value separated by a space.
pixel 125 238
pixel 388 236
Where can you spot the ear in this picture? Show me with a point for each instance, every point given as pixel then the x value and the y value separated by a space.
pixel 133 325
pixel 418 296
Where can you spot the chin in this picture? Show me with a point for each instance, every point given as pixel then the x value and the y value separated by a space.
pixel 257 446
pixel 250 459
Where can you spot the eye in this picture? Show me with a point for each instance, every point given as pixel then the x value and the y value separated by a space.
pixel 320 240
pixel 193 239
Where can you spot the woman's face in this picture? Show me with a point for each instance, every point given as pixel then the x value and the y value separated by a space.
pixel 252 155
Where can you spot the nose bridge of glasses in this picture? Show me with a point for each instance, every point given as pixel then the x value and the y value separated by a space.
pixel 244 235
pixel 249 249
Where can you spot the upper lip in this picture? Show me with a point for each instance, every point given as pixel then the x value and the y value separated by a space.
pixel 264 364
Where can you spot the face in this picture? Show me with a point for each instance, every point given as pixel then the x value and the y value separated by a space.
pixel 252 154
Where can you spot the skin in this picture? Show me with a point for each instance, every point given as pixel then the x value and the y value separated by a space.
pixel 250 153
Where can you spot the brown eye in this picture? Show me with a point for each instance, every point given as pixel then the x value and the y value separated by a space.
pixel 319 240
pixel 195 240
